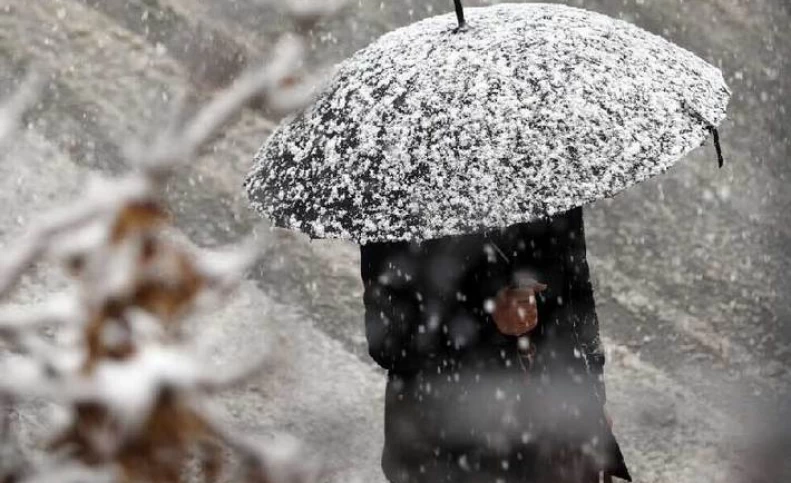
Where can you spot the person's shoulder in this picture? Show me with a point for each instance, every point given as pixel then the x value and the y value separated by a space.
pixel 573 214
pixel 373 248
pixel 566 222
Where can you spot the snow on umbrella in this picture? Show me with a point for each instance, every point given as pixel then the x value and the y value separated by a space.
pixel 445 127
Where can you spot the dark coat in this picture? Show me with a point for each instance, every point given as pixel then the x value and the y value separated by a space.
pixel 460 403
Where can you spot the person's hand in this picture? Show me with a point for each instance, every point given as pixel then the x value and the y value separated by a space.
pixel 515 309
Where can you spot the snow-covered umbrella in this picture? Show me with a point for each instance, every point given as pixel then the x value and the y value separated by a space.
pixel 448 127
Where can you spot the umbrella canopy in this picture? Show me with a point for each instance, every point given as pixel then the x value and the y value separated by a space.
pixel 527 111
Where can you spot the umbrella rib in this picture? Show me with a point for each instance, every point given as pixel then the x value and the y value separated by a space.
pixel 711 127
pixel 718 147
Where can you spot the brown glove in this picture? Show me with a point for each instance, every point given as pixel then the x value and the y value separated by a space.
pixel 515 310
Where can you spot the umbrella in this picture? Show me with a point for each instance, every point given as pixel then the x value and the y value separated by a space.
pixel 449 126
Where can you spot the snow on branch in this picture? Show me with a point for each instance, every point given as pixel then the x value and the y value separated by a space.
pixel 132 385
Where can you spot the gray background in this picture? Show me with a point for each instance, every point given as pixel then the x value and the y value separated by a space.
pixel 692 271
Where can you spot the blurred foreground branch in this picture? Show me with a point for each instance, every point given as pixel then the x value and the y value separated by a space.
pixel 131 384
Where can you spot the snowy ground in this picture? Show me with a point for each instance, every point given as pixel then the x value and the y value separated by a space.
pixel 692 271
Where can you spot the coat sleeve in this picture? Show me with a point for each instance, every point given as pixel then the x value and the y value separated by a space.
pixel 581 295
pixel 391 306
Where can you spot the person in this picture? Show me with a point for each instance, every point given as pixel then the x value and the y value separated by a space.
pixel 494 361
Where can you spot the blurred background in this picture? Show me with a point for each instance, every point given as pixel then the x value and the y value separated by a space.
pixel 692 270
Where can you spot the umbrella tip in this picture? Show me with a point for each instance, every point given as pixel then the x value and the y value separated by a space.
pixel 718 147
pixel 460 15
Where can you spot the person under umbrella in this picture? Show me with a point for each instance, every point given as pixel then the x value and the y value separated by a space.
pixel 494 363
pixel 459 155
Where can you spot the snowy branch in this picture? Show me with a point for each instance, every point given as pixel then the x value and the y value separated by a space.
pixel 132 385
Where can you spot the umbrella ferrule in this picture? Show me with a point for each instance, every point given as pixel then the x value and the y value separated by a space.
pixel 460 15
pixel 717 146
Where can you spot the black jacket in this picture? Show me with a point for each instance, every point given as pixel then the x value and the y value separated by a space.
pixel 460 403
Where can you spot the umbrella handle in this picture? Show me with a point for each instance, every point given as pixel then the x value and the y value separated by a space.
pixel 460 14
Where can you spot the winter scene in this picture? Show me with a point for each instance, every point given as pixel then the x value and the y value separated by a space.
pixel 357 241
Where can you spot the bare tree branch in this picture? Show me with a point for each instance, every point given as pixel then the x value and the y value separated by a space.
pixel 61 310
